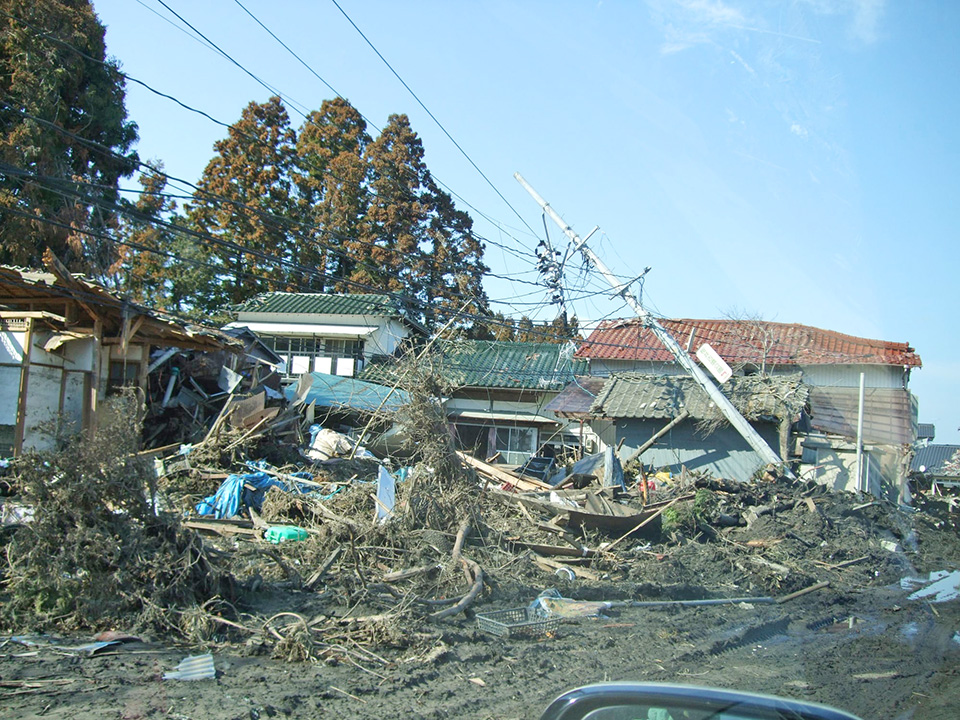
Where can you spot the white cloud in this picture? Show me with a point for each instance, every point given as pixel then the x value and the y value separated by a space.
pixel 798 130
pixel 712 12
pixel 865 16
pixel 866 19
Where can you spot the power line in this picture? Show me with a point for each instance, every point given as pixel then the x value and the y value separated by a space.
pixel 231 127
pixel 374 126
pixel 433 117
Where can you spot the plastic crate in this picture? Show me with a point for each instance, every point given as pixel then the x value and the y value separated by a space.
pixel 516 622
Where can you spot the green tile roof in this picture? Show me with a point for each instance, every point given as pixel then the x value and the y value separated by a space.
pixel 324 304
pixel 496 364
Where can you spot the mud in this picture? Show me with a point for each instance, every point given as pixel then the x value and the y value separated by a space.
pixel 859 644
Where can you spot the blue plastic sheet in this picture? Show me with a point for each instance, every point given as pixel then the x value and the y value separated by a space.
pixel 234 492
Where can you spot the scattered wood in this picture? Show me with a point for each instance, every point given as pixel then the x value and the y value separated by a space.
pixel 552 565
pixel 805 591
pixel 222 527
pixel 399 575
pixel 323 569
pixel 652 516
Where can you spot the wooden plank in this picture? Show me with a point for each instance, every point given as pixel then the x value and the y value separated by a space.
pixel 221 528
pixel 558 550
pixel 503 475
pixel 21 425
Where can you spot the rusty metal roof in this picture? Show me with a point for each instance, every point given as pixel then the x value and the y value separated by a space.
pixel 745 341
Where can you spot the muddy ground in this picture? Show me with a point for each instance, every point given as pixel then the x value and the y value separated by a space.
pixel 860 644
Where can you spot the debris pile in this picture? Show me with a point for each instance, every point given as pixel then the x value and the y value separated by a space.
pixel 95 553
pixel 358 557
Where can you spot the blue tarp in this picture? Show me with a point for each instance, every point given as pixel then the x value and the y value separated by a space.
pixel 344 393
pixel 233 494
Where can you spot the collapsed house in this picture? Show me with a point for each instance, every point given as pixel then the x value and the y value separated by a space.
pixel 839 439
pixel 497 393
pixel 630 409
pixel 67 343
pixel 936 468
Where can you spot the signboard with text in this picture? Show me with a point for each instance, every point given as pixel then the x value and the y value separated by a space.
pixel 714 363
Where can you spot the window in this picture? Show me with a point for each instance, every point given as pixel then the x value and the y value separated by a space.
pixel 516 444
pixel 335 356
pixel 122 374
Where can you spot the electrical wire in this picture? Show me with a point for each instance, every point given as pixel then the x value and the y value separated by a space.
pixel 433 117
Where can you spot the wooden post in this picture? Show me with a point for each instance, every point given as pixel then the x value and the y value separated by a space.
pixel 22 397
pixel 659 434
pixel 95 376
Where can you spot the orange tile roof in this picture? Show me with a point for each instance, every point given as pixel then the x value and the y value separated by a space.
pixel 745 341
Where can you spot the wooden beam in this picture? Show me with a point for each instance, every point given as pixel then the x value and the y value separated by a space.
pixel 659 434
pixel 31 315
pixel 129 331
pixel 95 376
pixel 62 274
pixel 22 397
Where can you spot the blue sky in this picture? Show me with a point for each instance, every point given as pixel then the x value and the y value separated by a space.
pixel 794 160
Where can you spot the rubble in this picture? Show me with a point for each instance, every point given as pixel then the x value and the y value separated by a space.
pixel 252 537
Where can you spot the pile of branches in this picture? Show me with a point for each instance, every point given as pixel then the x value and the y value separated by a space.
pixel 97 553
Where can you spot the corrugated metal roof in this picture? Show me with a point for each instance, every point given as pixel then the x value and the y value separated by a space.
pixel 934 458
pixel 926 431
pixel 344 393
pixel 495 364
pixel 739 342
pixel 889 414
pixel 647 396
pixel 576 398
pixel 381 305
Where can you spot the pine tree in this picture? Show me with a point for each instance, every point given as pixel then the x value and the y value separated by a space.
pixel 143 267
pixel 331 179
pixel 245 202
pixel 58 107
pixel 395 224
pixel 450 263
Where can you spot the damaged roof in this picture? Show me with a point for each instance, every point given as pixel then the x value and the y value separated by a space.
pixel 575 400
pixel 649 396
pixel 523 365
pixel 344 393
pixel 745 341
pixel 495 364
pixel 943 460
pixel 889 414
pixel 67 301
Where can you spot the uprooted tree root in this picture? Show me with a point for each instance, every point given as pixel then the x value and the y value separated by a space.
pixel 96 554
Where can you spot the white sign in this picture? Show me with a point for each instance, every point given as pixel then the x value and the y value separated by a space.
pixel 714 363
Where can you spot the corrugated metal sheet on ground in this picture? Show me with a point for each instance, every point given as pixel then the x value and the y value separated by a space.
pixel 344 393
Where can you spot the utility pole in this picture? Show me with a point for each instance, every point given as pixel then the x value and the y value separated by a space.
pixel 720 400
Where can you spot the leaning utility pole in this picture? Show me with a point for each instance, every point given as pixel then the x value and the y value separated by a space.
pixel 720 400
